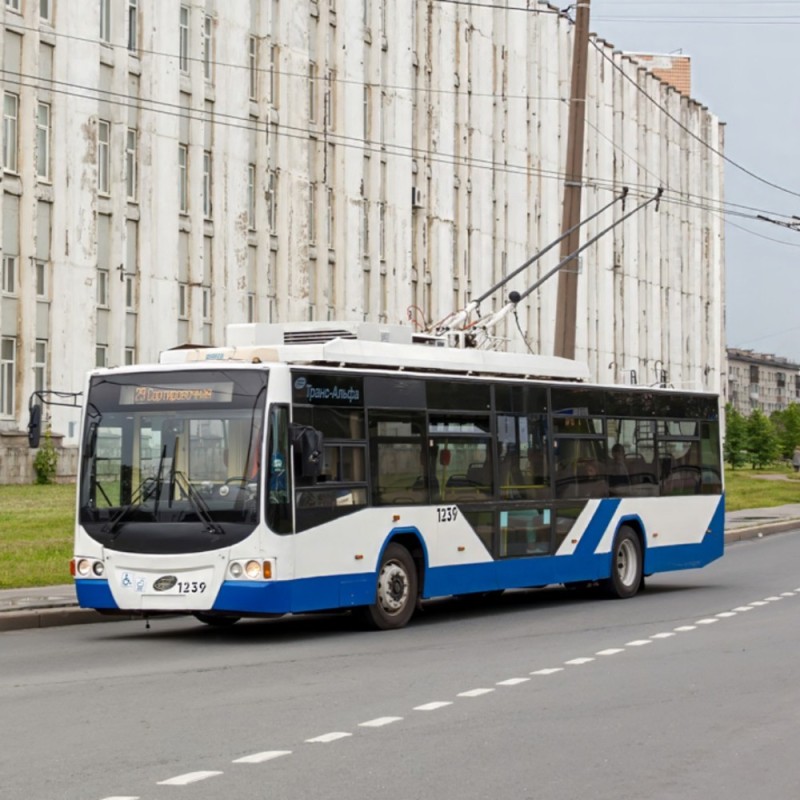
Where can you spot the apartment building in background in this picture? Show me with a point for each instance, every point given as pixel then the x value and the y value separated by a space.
pixel 172 166
pixel 761 381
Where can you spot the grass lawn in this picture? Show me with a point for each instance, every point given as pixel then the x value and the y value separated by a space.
pixel 36 522
pixel 36 530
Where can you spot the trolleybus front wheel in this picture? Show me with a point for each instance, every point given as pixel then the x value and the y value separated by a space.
pixel 396 591
pixel 626 564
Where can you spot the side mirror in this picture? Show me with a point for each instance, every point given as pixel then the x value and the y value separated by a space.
pixel 35 425
pixel 307 446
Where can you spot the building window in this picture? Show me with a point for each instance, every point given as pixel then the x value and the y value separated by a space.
pixel 103 156
pixel 331 215
pixel 329 110
pixel 253 63
pixel 10 131
pixel 251 196
pixel 8 349
pixel 183 301
pixel 208 47
pixel 45 10
pixel 9 282
pixel 183 176
pixel 272 201
pixel 130 356
pixel 101 355
pixel 251 307
pixel 207 183
pixel 183 48
pixel 40 364
pixel 105 21
pixel 312 92
pixel 14 5
pixel 131 178
pixel 41 279
pixel 365 227
pixel 102 288
pixel 382 231
pixel 206 304
pixel 130 293
pixel 273 68
pixel 312 215
pixel 133 25
pixel 43 141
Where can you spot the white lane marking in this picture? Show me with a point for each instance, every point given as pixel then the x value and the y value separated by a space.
pixel 548 671
pixel 787 594
pixel 743 608
pixel 475 693
pixel 726 614
pixel 758 603
pixel 771 599
pixel 665 635
pixel 685 628
pixel 707 621
pixel 379 722
pixel 638 643
pixel 611 651
pixel 513 681
pixel 121 798
pixel 189 777
pixel 329 737
pixel 575 662
pixel 433 706
pixel 260 758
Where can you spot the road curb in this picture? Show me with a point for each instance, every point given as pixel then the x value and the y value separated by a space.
pixel 763 529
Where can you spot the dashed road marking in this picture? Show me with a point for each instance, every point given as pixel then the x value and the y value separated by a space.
pixel 190 777
pixel 576 662
pixel 433 706
pixel 610 651
pixel 260 758
pixel 707 621
pixel 685 628
pixel 329 737
pixel 758 603
pixel 665 635
pixel 513 681
pixel 119 797
pixel 475 693
pixel 379 722
pixel 726 614
pixel 639 643
pixel 740 609
pixel 548 671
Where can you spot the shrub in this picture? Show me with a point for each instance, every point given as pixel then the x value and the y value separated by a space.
pixel 46 460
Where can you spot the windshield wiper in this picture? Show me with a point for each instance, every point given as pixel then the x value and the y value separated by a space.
pixel 144 491
pixel 198 503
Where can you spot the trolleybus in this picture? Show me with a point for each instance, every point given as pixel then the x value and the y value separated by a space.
pixel 307 468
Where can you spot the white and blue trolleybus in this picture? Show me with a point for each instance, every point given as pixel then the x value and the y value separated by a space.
pixel 314 467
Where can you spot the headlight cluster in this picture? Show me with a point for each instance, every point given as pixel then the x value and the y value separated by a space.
pixel 86 568
pixel 252 569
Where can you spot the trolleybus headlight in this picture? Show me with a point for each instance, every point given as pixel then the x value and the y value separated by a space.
pixel 83 567
pixel 236 570
pixel 98 568
pixel 253 569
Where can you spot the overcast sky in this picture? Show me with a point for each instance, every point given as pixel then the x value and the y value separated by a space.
pixel 745 68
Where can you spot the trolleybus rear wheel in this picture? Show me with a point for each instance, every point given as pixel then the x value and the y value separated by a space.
pixel 626 564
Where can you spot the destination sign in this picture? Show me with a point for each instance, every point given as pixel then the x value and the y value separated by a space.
pixel 185 393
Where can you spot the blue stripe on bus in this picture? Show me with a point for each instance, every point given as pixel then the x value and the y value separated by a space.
pixel 596 528
pixel 94 594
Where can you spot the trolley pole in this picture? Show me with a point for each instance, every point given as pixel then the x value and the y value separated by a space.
pixel 568 278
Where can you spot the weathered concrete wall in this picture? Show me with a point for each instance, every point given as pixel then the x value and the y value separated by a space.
pixel 400 157
pixel 16 459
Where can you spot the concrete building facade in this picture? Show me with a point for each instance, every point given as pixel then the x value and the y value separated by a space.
pixel 761 381
pixel 171 166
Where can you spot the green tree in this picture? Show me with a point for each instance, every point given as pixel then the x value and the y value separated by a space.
pixel 763 446
pixel 787 426
pixel 735 448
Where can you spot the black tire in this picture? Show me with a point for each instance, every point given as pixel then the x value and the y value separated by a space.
pixel 216 620
pixel 395 591
pixel 626 565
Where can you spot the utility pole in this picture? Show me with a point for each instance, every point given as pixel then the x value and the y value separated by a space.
pixel 568 277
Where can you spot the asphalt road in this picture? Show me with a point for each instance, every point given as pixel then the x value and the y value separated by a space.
pixel 687 691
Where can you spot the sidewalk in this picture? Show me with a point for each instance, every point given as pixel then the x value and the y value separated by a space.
pixel 49 606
